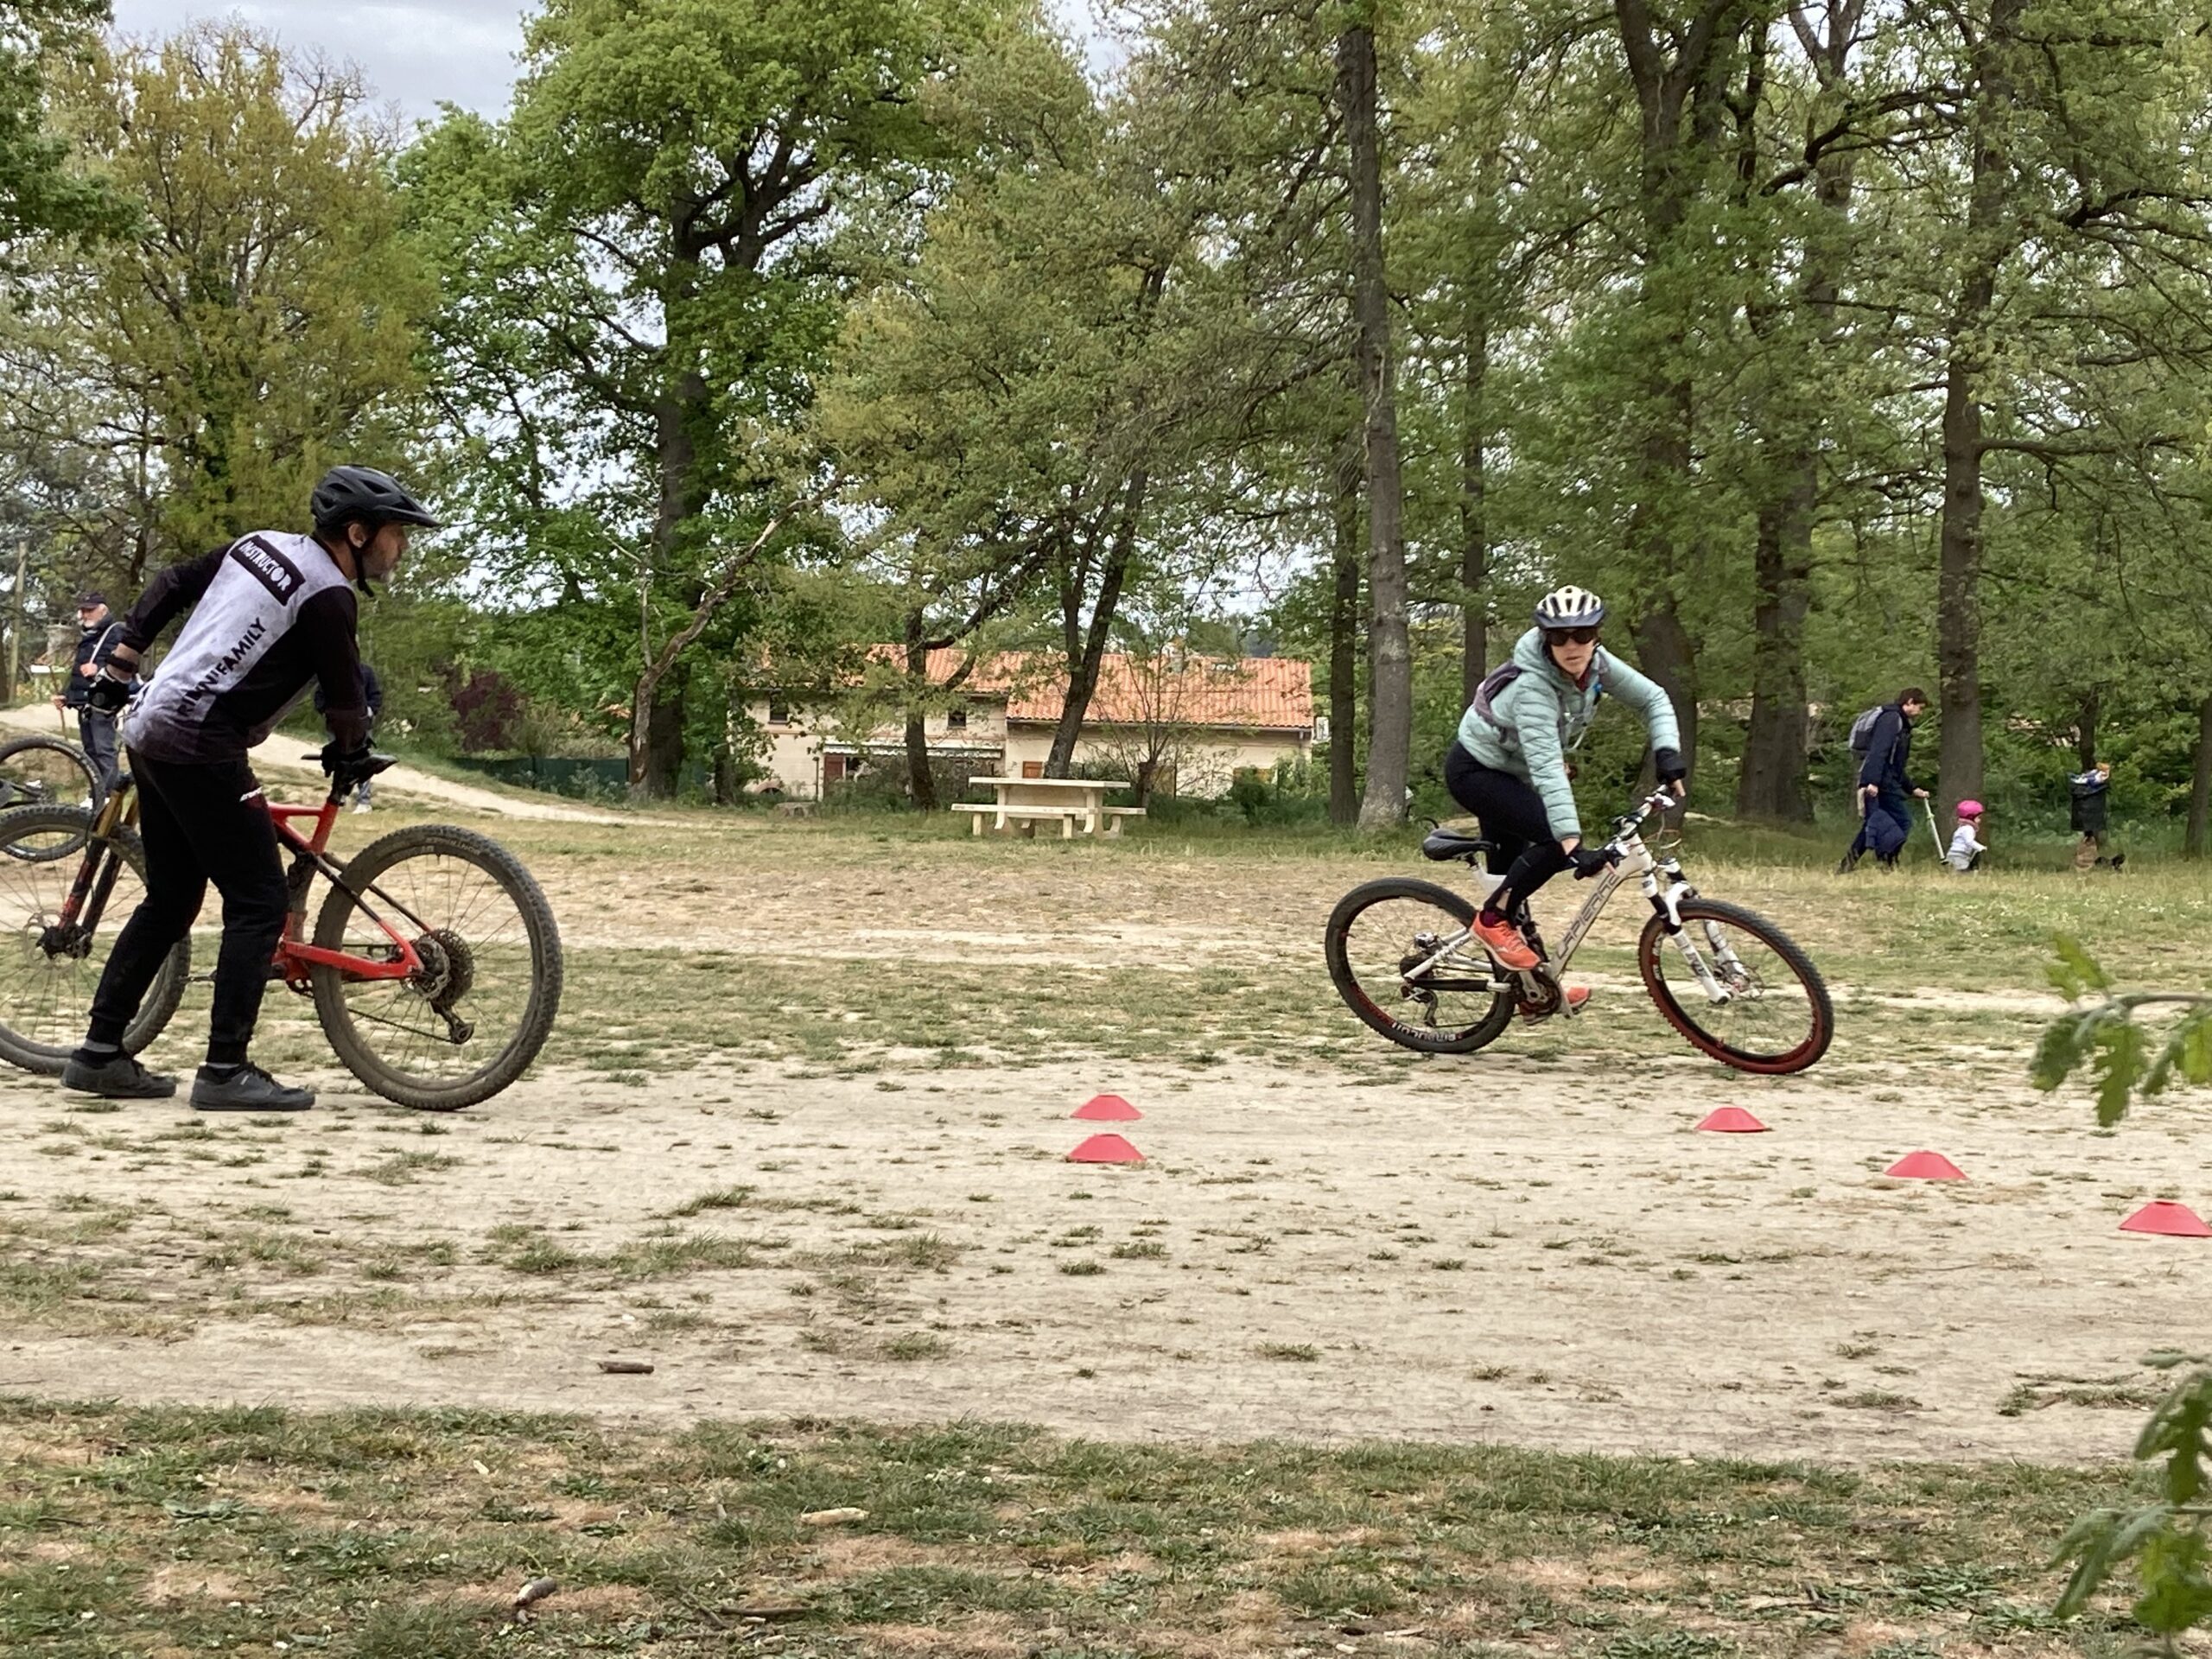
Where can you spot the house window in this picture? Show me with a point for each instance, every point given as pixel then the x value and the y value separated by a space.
pixel 956 720
pixel 1033 768
pixel 779 714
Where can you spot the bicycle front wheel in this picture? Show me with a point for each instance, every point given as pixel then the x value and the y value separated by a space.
pixel 1382 946
pixel 49 968
pixel 1758 1005
pixel 473 1018
pixel 47 771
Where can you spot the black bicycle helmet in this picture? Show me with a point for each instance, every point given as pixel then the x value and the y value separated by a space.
pixel 1570 608
pixel 376 498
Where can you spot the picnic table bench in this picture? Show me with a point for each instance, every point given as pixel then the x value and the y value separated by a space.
pixel 1068 801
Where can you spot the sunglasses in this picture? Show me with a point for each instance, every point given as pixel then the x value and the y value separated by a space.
pixel 1570 636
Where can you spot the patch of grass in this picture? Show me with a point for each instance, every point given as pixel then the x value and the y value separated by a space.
pixel 1304 1353
pixel 225 1529
pixel 402 1167
pixel 917 1346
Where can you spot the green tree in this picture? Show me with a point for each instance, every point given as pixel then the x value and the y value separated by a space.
pixel 639 293
pixel 256 324
pixel 41 194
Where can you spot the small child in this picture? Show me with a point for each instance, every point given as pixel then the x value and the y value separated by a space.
pixel 1966 847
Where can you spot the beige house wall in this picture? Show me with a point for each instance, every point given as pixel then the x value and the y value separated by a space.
pixel 793 760
pixel 1204 766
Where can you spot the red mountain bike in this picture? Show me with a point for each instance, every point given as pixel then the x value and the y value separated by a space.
pixel 435 965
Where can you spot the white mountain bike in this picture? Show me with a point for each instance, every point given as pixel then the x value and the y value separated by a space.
pixel 1404 954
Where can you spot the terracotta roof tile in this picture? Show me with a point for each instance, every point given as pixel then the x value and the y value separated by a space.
pixel 1272 693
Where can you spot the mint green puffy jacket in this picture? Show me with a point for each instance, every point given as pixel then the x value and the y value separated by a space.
pixel 1533 724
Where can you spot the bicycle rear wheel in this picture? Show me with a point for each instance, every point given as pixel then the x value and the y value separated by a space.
pixel 1774 1016
pixel 48 971
pixel 473 1019
pixel 1381 942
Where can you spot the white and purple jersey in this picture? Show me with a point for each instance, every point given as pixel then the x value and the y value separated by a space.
pixel 271 612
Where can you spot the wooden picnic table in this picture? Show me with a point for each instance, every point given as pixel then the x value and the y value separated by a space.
pixel 1068 799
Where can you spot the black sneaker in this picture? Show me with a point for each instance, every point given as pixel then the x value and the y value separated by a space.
pixel 245 1089
pixel 1847 864
pixel 115 1077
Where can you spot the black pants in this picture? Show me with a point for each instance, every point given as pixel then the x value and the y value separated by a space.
pixel 1513 817
pixel 199 825
pixel 98 731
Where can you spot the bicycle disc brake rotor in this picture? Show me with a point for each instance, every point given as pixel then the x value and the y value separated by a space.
pixel 448 971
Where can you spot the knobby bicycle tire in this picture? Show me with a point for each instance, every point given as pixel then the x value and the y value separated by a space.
pixel 356 1048
pixel 1655 940
pixel 45 1051
pixel 1464 1039
pixel 14 794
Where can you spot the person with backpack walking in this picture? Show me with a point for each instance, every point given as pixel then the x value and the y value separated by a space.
pixel 1885 794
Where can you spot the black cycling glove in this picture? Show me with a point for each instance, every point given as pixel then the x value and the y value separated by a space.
pixel 106 695
pixel 1588 861
pixel 344 763
pixel 1667 763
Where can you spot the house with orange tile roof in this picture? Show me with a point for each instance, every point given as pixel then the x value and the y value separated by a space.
pixel 1175 723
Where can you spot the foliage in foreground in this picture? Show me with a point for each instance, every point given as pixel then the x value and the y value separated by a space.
pixel 2167 1540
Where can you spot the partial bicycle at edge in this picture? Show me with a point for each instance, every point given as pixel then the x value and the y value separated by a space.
pixel 434 965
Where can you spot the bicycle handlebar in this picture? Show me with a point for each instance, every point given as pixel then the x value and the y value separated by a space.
pixel 1657 801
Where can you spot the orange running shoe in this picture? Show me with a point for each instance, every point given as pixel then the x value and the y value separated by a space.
pixel 1503 941
pixel 1572 998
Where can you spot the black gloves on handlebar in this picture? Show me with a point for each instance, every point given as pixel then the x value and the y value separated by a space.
pixel 1588 859
pixel 107 694
pixel 1667 763
pixel 343 763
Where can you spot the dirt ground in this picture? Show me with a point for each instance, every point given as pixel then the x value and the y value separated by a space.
pixel 1542 1261
pixel 1533 1246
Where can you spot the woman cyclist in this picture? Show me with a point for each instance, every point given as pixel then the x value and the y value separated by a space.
pixel 1508 764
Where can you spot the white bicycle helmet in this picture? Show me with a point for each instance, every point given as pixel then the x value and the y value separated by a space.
pixel 1570 608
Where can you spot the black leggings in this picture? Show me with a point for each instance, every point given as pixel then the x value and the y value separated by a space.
pixel 199 826
pixel 1514 818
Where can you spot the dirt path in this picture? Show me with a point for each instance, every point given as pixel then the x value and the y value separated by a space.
pixel 1305 1255
pixel 278 758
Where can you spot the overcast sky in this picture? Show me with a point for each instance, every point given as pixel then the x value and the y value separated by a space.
pixel 417 53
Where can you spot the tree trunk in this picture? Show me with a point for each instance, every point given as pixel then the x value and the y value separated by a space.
pixel 1474 530
pixel 1668 654
pixel 656 747
pixel 921 782
pixel 657 771
pixel 1343 641
pixel 1391 684
pixel 1772 785
pixel 2200 785
pixel 2085 729
pixel 1990 239
pixel 1087 647
pixel 1687 90
pixel 726 787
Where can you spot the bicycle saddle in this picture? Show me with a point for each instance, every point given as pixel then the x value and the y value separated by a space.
pixel 1442 844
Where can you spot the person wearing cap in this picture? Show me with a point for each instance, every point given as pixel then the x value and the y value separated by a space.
pixel 271 614
pixel 95 643
pixel 1967 845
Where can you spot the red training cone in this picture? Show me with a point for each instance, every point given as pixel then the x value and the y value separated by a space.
pixel 1925 1166
pixel 1107 1109
pixel 2163 1215
pixel 1733 1120
pixel 1105 1149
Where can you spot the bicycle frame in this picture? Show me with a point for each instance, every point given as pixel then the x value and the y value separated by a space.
pixel 1664 886
pixel 295 956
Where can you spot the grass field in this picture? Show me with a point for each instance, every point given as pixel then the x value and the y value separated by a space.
pixel 1377 1353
